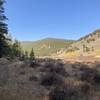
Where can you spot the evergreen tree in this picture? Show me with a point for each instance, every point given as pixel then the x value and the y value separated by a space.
pixel 16 49
pixel 32 56
pixel 3 30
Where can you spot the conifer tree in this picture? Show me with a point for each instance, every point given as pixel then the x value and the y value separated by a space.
pixel 16 49
pixel 3 30
pixel 32 56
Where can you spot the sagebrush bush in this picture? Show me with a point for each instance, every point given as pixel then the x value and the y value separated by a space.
pixel 90 75
pixel 33 64
pixel 51 79
pixel 70 91
pixel 55 67
pixel 33 78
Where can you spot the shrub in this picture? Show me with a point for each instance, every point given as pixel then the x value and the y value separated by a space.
pixel 55 67
pixel 58 69
pixel 33 63
pixel 33 78
pixel 22 73
pixel 51 79
pixel 70 91
pixel 90 75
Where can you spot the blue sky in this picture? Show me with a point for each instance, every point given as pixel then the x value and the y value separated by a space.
pixel 37 19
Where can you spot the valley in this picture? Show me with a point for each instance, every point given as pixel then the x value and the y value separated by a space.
pixel 47 46
pixel 87 48
pixel 49 50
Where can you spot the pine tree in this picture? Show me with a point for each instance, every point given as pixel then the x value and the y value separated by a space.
pixel 16 49
pixel 32 56
pixel 3 30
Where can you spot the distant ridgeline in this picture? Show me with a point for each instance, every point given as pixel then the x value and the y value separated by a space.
pixel 88 45
pixel 47 47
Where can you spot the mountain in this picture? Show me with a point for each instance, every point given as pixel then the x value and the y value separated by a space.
pixel 47 46
pixel 88 45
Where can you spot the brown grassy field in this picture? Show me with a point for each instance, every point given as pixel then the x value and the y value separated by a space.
pixel 49 79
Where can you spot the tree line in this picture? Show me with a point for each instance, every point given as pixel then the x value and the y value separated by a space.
pixel 9 48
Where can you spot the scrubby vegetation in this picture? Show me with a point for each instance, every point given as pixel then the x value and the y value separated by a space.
pixel 8 47
pixel 49 80
pixel 24 77
pixel 70 90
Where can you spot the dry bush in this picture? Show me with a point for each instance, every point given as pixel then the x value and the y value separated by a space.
pixel 15 94
pixel 23 66
pixel 97 66
pixel 33 63
pixel 51 79
pixel 70 91
pixel 90 75
pixel 59 69
pixel 55 67
pixel 33 78
pixel 22 72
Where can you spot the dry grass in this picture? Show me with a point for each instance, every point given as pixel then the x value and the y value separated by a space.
pixel 71 90
pixel 51 80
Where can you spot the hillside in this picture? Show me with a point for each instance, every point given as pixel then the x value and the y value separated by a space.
pixel 46 47
pixel 88 45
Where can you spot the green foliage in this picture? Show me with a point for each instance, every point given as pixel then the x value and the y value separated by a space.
pixel 46 46
pixel 32 56
pixel 73 49
pixel 85 48
pixel 16 50
pixel 4 47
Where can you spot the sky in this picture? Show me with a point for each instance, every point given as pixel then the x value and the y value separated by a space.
pixel 31 20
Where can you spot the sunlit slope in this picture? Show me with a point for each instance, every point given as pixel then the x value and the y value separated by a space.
pixel 46 46
pixel 88 45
